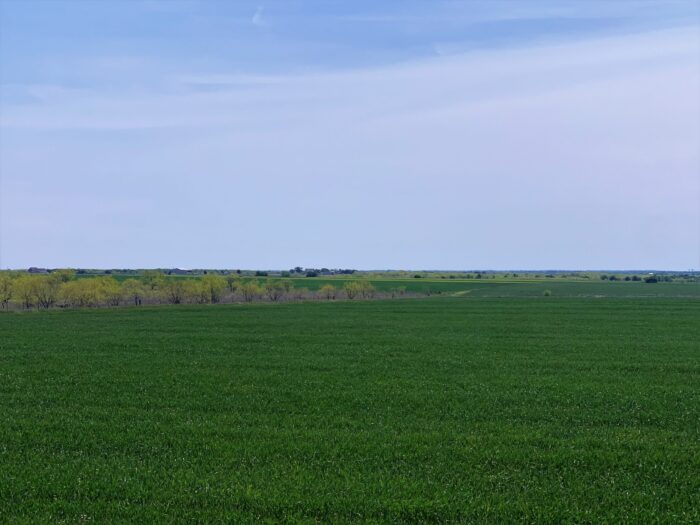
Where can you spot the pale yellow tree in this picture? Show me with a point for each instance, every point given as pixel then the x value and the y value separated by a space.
pixel 233 281
pixel 366 289
pixel 195 291
pixel 154 280
pixel 63 275
pixel 351 289
pixel 250 290
pixel 174 290
pixel 5 289
pixel 81 292
pixel 46 290
pixel 328 291
pixel 109 291
pixel 214 286
pixel 274 289
pixel 133 291
pixel 24 289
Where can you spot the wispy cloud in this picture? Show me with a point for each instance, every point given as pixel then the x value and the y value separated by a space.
pixel 257 19
pixel 536 147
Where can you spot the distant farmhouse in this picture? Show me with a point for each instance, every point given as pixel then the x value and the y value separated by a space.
pixel 178 271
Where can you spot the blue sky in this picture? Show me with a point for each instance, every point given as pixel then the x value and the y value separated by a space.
pixel 424 135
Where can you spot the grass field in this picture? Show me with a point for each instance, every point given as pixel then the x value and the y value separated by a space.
pixel 495 405
pixel 499 287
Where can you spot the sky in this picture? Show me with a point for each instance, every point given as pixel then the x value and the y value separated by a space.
pixel 368 134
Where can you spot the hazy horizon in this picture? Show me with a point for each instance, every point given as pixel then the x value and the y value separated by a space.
pixel 153 134
pixel 369 270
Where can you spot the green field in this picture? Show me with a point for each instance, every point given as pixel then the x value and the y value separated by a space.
pixel 498 287
pixel 483 404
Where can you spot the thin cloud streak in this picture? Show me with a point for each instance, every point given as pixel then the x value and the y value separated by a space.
pixel 565 156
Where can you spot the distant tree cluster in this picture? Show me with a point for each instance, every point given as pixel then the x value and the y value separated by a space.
pixel 64 288
pixel 316 272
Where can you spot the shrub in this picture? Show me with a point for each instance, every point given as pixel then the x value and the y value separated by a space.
pixel 547 293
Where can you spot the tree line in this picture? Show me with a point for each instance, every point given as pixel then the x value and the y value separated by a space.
pixel 61 288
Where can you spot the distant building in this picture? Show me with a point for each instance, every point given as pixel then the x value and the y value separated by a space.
pixel 34 269
pixel 178 271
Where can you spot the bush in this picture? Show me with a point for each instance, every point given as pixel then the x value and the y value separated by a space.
pixel 547 293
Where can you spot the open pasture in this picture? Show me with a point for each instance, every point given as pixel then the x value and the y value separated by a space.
pixel 466 408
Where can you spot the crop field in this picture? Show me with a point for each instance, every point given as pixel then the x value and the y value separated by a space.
pixel 487 403
pixel 516 288
pixel 499 287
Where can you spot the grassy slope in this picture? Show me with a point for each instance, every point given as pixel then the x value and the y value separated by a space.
pixel 548 409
